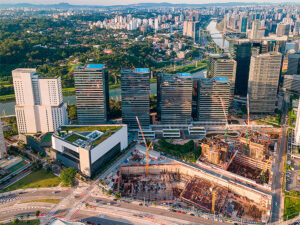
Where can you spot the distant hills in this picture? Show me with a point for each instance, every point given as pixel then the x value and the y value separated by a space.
pixel 139 5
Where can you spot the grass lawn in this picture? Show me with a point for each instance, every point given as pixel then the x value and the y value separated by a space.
pixel 36 179
pixel 291 206
pixel 24 222
pixel 47 138
pixel 48 200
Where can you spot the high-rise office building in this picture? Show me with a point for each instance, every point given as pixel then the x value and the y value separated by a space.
pixel 240 50
pixel 192 29
pixel 255 31
pixel 135 92
pixel 2 143
pixel 92 94
pixel 174 98
pixel 291 83
pixel 223 67
pixel 211 93
pixel 39 102
pixel 297 28
pixel 294 63
pixel 244 24
pixel 282 29
pixel 263 82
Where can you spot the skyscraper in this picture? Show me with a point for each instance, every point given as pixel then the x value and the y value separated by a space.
pixel 39 102
pixel 240 51
pixel 174 98
pixel 92 94
pixel 211 93
pixel 223 67
pixel 244 24
pixel 263 82
pixel 282 29
pixel 294 63
pixel 192 29
pixel 135 92
pixel 2 143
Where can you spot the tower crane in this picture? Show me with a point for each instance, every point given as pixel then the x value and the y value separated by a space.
pixel 248 123
pixel 226 119
pixel 213 200
pixel 147 147
pixel 263 170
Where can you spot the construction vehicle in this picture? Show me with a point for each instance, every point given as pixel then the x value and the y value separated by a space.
pixel 147 147
pixel 226 119
pixel 262 173
pixel 213 200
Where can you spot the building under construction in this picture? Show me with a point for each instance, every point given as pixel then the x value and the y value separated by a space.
pixel 192 188
pixel 248 156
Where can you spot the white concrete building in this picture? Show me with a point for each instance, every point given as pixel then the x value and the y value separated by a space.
pixel 39 102
pixel 297 127
pixel 88 148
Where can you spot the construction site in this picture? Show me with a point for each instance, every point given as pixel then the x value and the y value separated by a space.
pixel 191 188
pixel 248 155
pixel 221 182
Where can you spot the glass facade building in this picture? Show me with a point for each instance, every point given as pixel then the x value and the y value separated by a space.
pixel 135 91
pixel 210 94
pixel 174 98
pixel 92 94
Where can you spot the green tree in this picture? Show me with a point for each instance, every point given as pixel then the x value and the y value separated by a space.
pixel 67 176
pixel 154 203
pixel 16 221
pixel 37 213
pixel 109 192
pixel 72 112
pixel 118 195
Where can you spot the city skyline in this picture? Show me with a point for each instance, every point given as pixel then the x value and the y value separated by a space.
pixel 121 2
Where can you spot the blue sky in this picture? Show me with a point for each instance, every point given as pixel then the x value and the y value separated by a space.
pixel 124 2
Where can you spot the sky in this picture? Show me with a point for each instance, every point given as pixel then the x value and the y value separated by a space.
pixel 125 2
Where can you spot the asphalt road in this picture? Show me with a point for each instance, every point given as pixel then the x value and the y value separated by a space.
pixel 277 203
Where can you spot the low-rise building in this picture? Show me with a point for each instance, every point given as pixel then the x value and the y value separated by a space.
pixel 88 148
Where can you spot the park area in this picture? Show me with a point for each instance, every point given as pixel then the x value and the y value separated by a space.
pixel 187 151
pixel 37 179
pixel 291 205
pixel 23 222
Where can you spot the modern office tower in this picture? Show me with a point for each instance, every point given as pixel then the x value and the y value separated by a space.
pixel 263 82
pixel 291 83
pixel 297 127
pixel 294 63
pixel 282 29
pixel 92 94
pixel 255 31
pixel 2 142
pixel 223 67
pixel 240 50
pixel 135 92
pixel 211 93
pixel 297 28
pixel 174 98
pixel 244 24
pixel 192 29
pixel 39 102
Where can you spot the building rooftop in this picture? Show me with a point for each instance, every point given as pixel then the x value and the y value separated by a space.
pixel 141 70
pixel 221 79
pixel 87 137
pixel 184 75
pixel 94 66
